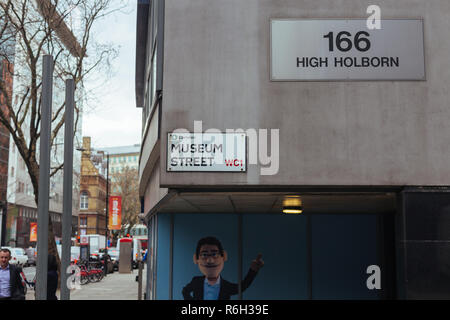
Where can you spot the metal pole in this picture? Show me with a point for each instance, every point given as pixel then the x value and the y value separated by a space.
pixel 240 253
pixel 140 279
pixel 107 213
pixel 67 191
pixel 171 257
pixel 44 178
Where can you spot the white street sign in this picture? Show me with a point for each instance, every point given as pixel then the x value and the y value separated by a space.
pixel 210 152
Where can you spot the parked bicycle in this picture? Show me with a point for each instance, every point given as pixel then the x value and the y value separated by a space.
pixel 89 273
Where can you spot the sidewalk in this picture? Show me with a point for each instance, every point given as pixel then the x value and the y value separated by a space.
pixel 116 286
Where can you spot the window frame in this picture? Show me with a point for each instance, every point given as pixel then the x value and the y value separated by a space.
pixel 84 200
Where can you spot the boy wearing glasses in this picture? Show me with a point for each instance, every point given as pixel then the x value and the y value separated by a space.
pixel 210 258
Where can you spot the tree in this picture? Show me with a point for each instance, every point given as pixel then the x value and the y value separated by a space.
pixel 63 29
pixel 126 184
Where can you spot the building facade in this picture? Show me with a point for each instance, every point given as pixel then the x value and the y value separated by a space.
pixel 6 71
pixel 361 151
pixel 121 157
pixel 93 186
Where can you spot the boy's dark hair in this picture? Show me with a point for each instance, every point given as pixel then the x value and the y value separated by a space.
pixel 211 241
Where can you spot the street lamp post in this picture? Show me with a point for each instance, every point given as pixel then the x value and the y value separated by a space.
pixel 107 213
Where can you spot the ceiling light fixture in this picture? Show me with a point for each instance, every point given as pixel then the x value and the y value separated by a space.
pixel 292 205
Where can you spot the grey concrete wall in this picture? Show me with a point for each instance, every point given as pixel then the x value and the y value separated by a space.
pixel 149 152
pixel 153 193
pixel 216 69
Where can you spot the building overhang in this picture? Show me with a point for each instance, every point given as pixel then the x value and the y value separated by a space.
pixel 314 201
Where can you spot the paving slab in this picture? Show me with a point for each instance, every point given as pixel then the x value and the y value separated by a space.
pixel 116 286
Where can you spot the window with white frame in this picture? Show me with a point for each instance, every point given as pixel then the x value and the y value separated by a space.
pixel 84 200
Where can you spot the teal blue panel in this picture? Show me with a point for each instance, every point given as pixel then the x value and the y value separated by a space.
pixel 343 246
pixel 163 257
pixel 281 239
pixel 188 229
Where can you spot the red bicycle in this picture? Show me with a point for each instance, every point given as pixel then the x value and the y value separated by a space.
pixel 90 274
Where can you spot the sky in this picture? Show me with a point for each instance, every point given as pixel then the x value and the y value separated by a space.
pixel 115 120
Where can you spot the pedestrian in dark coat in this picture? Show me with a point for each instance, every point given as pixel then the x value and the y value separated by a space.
pixel 52 278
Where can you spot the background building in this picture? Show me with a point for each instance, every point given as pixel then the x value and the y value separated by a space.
pixel 121 157
pixel 6 71
pixel 6 79
pixel 123 173
pixel 93 186
pixel 367 159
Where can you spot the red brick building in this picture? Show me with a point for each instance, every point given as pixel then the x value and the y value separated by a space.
pixel 6 79
pixel 6 70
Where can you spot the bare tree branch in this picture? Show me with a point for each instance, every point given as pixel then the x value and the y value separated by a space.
pixel 56 169
pixel 125 184
pixel 59 28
